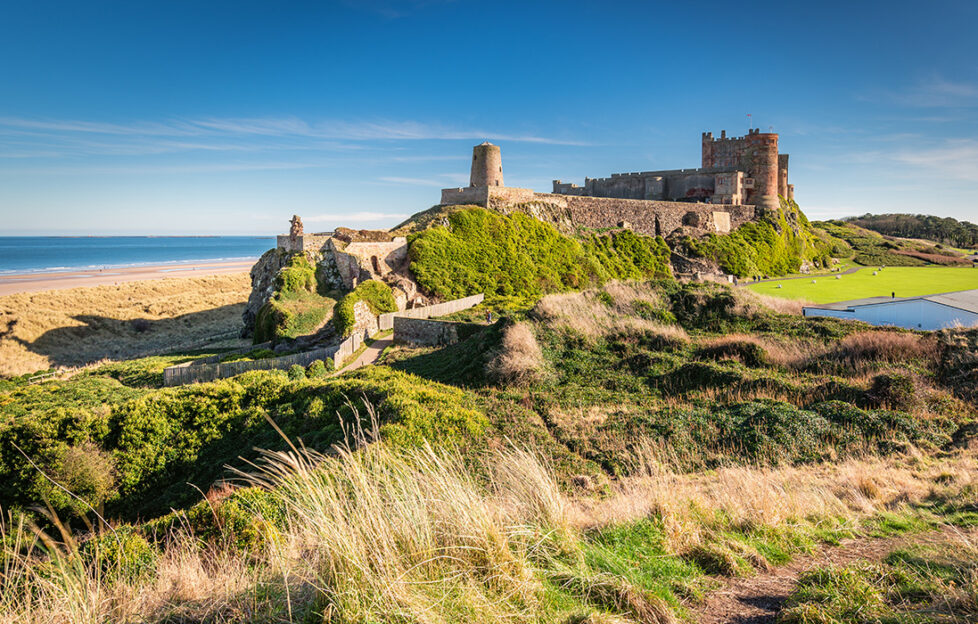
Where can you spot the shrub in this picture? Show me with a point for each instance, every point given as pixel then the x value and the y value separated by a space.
pixel 121 554
pixel 742 347
pixel 89 473
pixel 519 362
pixel 297 372
pixel 290 315
pixel 297 276
pixel 776 245
pixel 517 255
pixel 376 294
pixel 320 369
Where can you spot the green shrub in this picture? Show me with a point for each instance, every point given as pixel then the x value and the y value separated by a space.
pixel 290 315
pixel 297 372
pixel 320 369
pixel 515 255
pixel 376 294
pixel 121 554
pixel 298 276
pixel 778 244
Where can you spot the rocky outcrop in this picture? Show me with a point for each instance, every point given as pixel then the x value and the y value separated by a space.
pixel 262 286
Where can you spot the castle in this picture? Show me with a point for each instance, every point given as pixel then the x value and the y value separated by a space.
pixel 740 178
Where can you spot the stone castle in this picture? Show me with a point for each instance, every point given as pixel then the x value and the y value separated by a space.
pixel 740 178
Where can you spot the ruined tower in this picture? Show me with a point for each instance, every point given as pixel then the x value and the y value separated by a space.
pixel 487 165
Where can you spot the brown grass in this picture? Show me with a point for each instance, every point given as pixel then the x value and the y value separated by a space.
pixel 519 362
pixel 411 535
pixel 73 327
pixel 749 303
pixel 884 346
pixel 749 496
pixel 585 314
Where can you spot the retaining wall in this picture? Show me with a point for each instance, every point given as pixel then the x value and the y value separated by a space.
pixel 427 332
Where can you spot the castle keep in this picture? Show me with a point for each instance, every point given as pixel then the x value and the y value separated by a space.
pixel 740 178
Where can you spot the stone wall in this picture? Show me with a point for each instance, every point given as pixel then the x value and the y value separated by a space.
pixel 567 212
pixel 427 332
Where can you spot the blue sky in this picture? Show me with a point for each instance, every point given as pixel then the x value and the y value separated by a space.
pixel 210 117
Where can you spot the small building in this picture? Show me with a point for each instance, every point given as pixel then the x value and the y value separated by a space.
pixel 927 312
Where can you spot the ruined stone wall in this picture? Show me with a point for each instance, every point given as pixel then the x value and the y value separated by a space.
pixel 305 242
pixel 476 195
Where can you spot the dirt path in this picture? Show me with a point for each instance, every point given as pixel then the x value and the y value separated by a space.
pixel 757 599
pixel 369 355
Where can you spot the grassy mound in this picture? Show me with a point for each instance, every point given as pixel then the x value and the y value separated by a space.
pixel 778 244
pixel 295 309
pixel 378 297
pixel 518 256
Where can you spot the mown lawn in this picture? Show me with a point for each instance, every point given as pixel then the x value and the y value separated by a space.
pixel 904 281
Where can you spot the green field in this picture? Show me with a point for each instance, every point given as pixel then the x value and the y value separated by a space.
pixel 904 281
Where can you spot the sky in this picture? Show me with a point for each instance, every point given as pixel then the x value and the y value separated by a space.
pixel 227 117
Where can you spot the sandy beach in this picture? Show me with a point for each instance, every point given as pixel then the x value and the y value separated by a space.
pixel 35 282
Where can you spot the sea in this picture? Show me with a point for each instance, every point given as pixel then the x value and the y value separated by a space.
pixel 43 254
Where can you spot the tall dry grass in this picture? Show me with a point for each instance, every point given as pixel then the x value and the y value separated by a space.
pixel 519 361
pixel 694 506
pixel 81 325
pixel 423 535
pixel 589 314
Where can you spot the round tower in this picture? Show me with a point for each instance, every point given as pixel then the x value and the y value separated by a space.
pixel 487 165
pixel 762 155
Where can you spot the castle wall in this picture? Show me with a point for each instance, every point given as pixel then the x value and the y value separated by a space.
pixel 305 242
pixel 652 218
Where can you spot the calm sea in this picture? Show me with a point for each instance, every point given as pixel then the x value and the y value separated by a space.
pixel 27 254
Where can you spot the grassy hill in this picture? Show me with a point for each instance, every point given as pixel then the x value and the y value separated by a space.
pixel 603 454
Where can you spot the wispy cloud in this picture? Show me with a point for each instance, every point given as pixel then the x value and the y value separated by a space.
pixel 346 217
pixel 442 180
pixel 932 92
pixel 954 158
pixel 22 137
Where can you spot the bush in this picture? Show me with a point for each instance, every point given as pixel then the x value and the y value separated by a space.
pixel 87 472
pixel 121 554
pixel 290 315
pixel 376 294
pixel 776 245
pixel 515 255
pixel 296 372
pixel 320 369
pixel 298 276
pixel 519 361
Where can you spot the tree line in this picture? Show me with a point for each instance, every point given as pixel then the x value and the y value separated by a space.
pixel 941 229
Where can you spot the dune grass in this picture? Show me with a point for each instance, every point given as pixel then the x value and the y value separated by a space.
pixel 904 281
pixel 81 325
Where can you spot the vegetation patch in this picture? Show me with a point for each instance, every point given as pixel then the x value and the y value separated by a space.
pixel 376 294
pixel 481 251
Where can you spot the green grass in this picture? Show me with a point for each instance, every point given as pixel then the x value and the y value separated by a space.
pixel 904 281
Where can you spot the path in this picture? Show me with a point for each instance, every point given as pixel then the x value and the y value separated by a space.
pixel 369 355
pixel 848 271
pixel 757 599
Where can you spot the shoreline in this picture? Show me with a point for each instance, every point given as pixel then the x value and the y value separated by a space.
pixel 59 280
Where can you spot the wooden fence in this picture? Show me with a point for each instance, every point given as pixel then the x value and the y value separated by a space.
pixel 211 368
